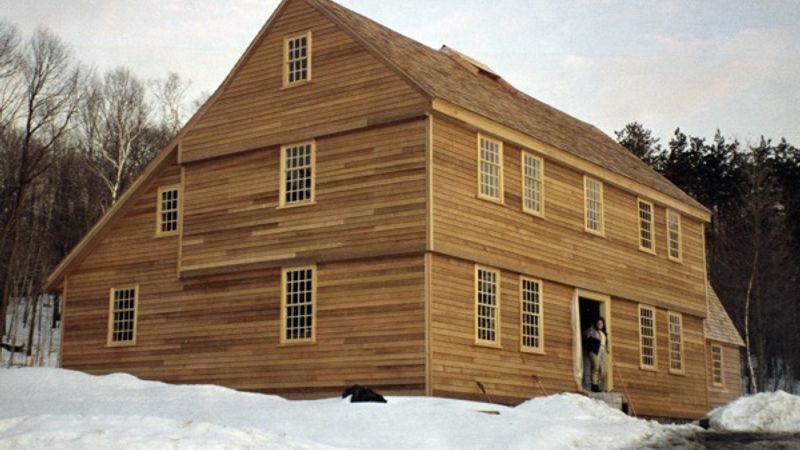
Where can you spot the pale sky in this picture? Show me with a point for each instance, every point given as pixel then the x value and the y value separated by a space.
pixel 700 65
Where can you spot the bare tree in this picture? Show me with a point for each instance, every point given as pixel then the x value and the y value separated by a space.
pixel 170 96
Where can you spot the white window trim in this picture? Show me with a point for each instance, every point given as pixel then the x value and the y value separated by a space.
pixel 501 179
pixel 525 209
pixel 642 365
pixel 652 249
pixel 523 347
pixel 498 294
pixel 109 335
pixel 282 203
pixel 313 339
pixel 679 258
pixel 602 230
pixel 670 315
pixel 309 53
pixel 160 210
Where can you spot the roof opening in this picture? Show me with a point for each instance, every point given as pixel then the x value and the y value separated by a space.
pixel 476 67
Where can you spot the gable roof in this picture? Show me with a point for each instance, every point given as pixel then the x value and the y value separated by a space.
pixel 443 77
pixel 718 325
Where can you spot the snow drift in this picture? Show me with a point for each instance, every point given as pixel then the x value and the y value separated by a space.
pixel 769 411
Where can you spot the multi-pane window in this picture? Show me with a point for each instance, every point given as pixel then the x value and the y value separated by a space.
pixel 297 57
pixel 674 235
pixel 531 292
pixel 486 305
pixel 490 168
pixel 122 316
pixel 646 238
pixel 298 305
pixel 675 342
pixel 167 210
pixel 532 176
pixel 647 336
pixel 297 174
pixel 716 365
pixel 593 193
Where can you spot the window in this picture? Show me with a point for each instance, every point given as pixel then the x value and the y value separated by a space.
pixel 647 336
pixel 297 305
pixel 716 366
pixel 674 235
pixel 675 342
pixel 532 184
pixel 646 241
pixel 487 296
pixel 167 215
pixel 297 59
pixel 122 316
pixel 297 174
pixel 490 168
pixel 593 193
pixel 531 293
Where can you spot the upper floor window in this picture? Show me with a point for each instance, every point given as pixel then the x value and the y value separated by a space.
pixel 297 174
pixel 716 366
pixel 297 59
pixel 490 168
pixel 647 336
pixel 531 293
pixel 122 316
pixel 297 305
pixel 167 214
pixel 593 194
pixel 532 184
pixel 487 298
pixel 673 235
pixel 646 238
pixel 675 342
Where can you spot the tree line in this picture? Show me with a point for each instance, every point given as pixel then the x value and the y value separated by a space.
pixel 71 141
pixel 753 241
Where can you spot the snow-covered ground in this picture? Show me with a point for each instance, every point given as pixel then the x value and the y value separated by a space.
pixel 769 411
pixel 45 408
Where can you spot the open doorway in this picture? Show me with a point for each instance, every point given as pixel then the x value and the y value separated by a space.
pixel 589 313
pixel 590 307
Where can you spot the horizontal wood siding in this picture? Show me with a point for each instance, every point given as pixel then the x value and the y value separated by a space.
pixel 557 247
pixel 370 200
pixel 658 393
pixel 507 373
pixel 731 373
pixel 224 329
pixel 348 86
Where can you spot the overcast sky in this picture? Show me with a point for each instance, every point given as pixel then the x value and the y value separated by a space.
pixel 700 65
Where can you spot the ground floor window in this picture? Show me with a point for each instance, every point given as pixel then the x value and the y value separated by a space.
pixel 716 365
pixel 487 298
pixel 647 336
pixel 122 316
pixel 297 304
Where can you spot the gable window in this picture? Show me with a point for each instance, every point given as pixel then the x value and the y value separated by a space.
pixel 646 241
pixel 716 366
pixel 490 168
pixel 297 174
pixel 297 59
pixel 532 184
pixel 122 316
pixel 487 297
pixel 675 342
pixel 297 305
pixel 647 336
pixel 674 235
pixel 593 194
pixel 167 215
pixel 531 293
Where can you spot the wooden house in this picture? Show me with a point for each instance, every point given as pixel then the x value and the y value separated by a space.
pixel 351 206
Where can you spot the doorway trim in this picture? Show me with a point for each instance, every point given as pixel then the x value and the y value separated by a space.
pixel 605 305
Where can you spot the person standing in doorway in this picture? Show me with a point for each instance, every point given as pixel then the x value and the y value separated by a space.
pixel 597 346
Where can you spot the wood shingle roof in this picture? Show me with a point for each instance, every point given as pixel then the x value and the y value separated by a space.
pixel 718 325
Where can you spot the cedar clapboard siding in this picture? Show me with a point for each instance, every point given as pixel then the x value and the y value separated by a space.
pixel 370 200
pixel 349 88
pixel 224 329
pixel 658 393
pixel 506 372
pixel 731 375
pixel 557 247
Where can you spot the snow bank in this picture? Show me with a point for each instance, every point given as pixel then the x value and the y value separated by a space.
pixel 53 408
pixel 769 411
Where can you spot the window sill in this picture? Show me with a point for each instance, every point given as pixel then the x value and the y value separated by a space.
pixel 680 373
pixel 648 369
pixel 533 351
pixel 498 201
pixel 122 345
pixel 169 234
pixel 600 234
pixel 496 345
pixel 648 251
pixel 675 260
pixel 298 343
pixel 296 205
pixel 296 84
pixel 539 215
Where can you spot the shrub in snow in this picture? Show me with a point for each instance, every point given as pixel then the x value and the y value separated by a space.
pixel 361 394
pixel 769 411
